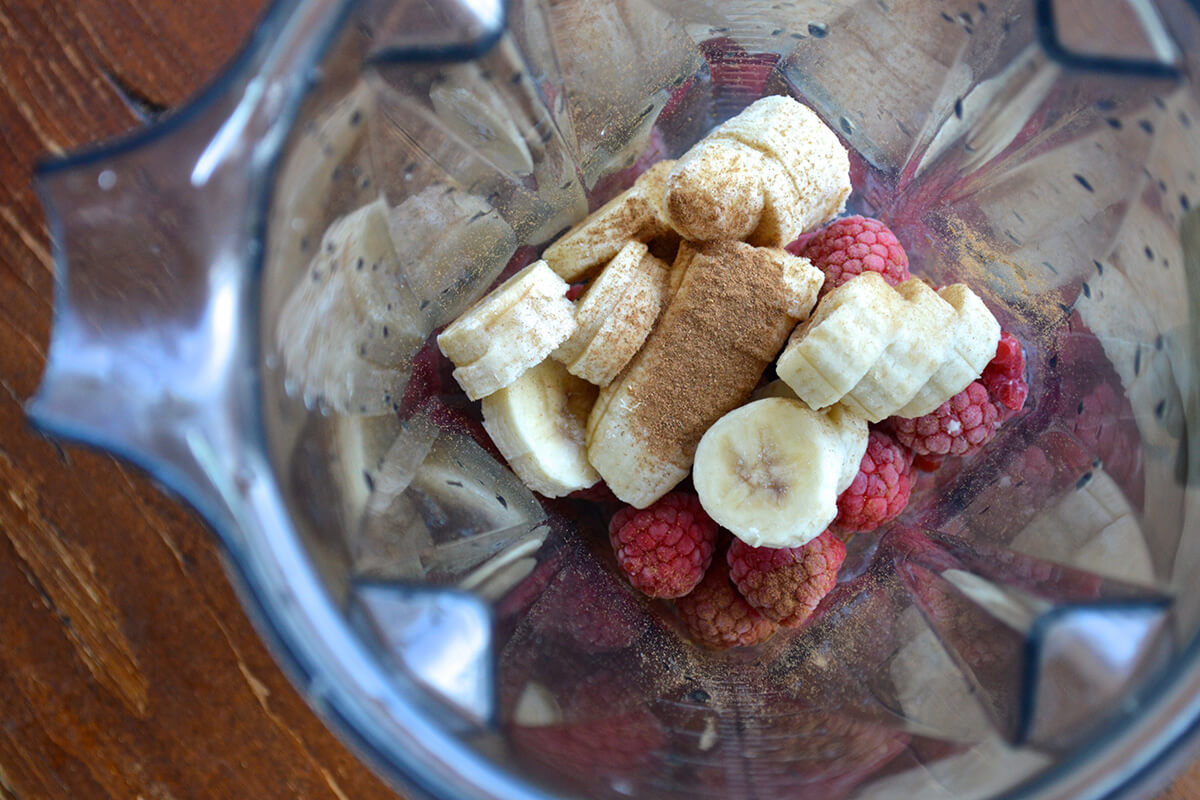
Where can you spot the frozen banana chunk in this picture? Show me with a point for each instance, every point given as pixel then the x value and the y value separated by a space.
pixel 973 339
pixel 512 329
pixel 917 348
pixel 615 315
pixel 635 214
pixel 829 354
pixel 765 176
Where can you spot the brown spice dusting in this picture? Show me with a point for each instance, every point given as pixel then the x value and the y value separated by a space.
pixel 721 330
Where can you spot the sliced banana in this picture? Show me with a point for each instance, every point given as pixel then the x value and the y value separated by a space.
pixel 347 332
pixel 766 176
pixel 830 353
pixel 918 347
pixel 695 366
pixel 973 338
pixel 512 329
pixel 615 315
pixel 853 433
pixel 537 423
pixel 636 213
pixel 769 472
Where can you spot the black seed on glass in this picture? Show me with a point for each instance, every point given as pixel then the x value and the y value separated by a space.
pixel 385 331
pixel 305 243
pixel 410 169
pixel 958 108
pixel 1018 216
pixel 566 185
pixel 1160 409
pixel 362 350
pixel 1079 408
pixel 375 267
pixel 847 126
pixel 458 484
pixel 1084 182
pixel 359 264
pixel 947 17
pixel 316 276
pixel 329 247
pixel 645 112
pixel 798 36
pixel 356 117
pixel 389 306
pixel 777 31
pixel 1145 125
pixel 1149 253
pixel 968 148
pixel 424 304
pixel 968 29
pixel 1183 201
pixel 516 78
pixel 337 172
pixel 363 409
pixel 1137 361
pixel 500 499
pixel 1083 481
pixel 965 17
pixel 477 215
pixel 1066 308
pixel 1097 463
pixel 1099 267
pixel 1158 101
pixel 370 481
pixel 985 510
pixel 364 183
pixel 1050 267
pixel 547 136
pixel 1106 104
pixel 1014 238
pixel 982 8
pixel 1185 120
pixel 1087 290
pixel 720 30
pixel 1158 342
pixel 818 30
pixel 1114 123
pixel 699 696
pixel 1052 362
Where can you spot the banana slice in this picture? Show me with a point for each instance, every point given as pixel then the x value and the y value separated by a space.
pixel 347 332
pixel 769 472
pixel 509 331
pixel 637 213
pixel 973 338
pixel 830 353
pixel 537 424
pixel 616 315
pixel 850 429
pixel 696 365
pixel 918 347
pixel 766 176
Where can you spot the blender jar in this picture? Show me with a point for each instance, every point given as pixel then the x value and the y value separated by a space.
pixel 1026 629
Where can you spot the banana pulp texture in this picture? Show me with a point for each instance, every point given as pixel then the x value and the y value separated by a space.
pixel 829 354
pixel 635 214
pixel 917 348
pixel 512 329
pixel 724 325
pixel 615 315
pixel 347 332
pixel 766 176
pixel 537 424
pixel 769 472
pixel 973 339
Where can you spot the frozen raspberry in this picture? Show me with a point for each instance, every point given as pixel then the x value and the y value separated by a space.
pixel 851 246
pixel 1004 376
pixel 589 749
pixel 587 605
pixel 786 584
pixel 575 291
pixel 735 71
pixel 718 617
pixel 959 426
pixel 425 381
pixel 664 549
pixel 881 489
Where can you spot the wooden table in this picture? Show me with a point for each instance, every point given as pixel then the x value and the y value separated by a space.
pixel 127 669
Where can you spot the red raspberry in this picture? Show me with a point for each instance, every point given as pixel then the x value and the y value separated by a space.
pixel 1004 376
pixel 737 74
pixel 786 584
pixel 881 489
pixel 718 617
pixel 597 493
pixel 664 549
pixel 961 425
pixel 590 607
pixel 590 749
pixel 854 245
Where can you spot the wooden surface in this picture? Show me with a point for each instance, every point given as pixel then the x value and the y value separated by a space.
pixel 127 669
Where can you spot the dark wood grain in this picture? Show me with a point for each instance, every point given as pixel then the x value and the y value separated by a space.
pixel 127 668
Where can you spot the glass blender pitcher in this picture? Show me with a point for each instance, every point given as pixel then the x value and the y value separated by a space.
pixel 1026 629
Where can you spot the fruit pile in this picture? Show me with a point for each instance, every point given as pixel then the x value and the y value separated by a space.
pixel 687 288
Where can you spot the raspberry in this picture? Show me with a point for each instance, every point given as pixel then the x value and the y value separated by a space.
pixel 590 749
pixel 664 549
pixel 1004 376
pixel 736 72
pixel 881 489
pixel 786 584
pixel 854 245
pixel 961 425
pixel 588 606
pixel 575 291
pixel 718 617
pixel 597 493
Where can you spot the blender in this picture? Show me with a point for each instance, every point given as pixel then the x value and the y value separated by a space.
pixel 1026 629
